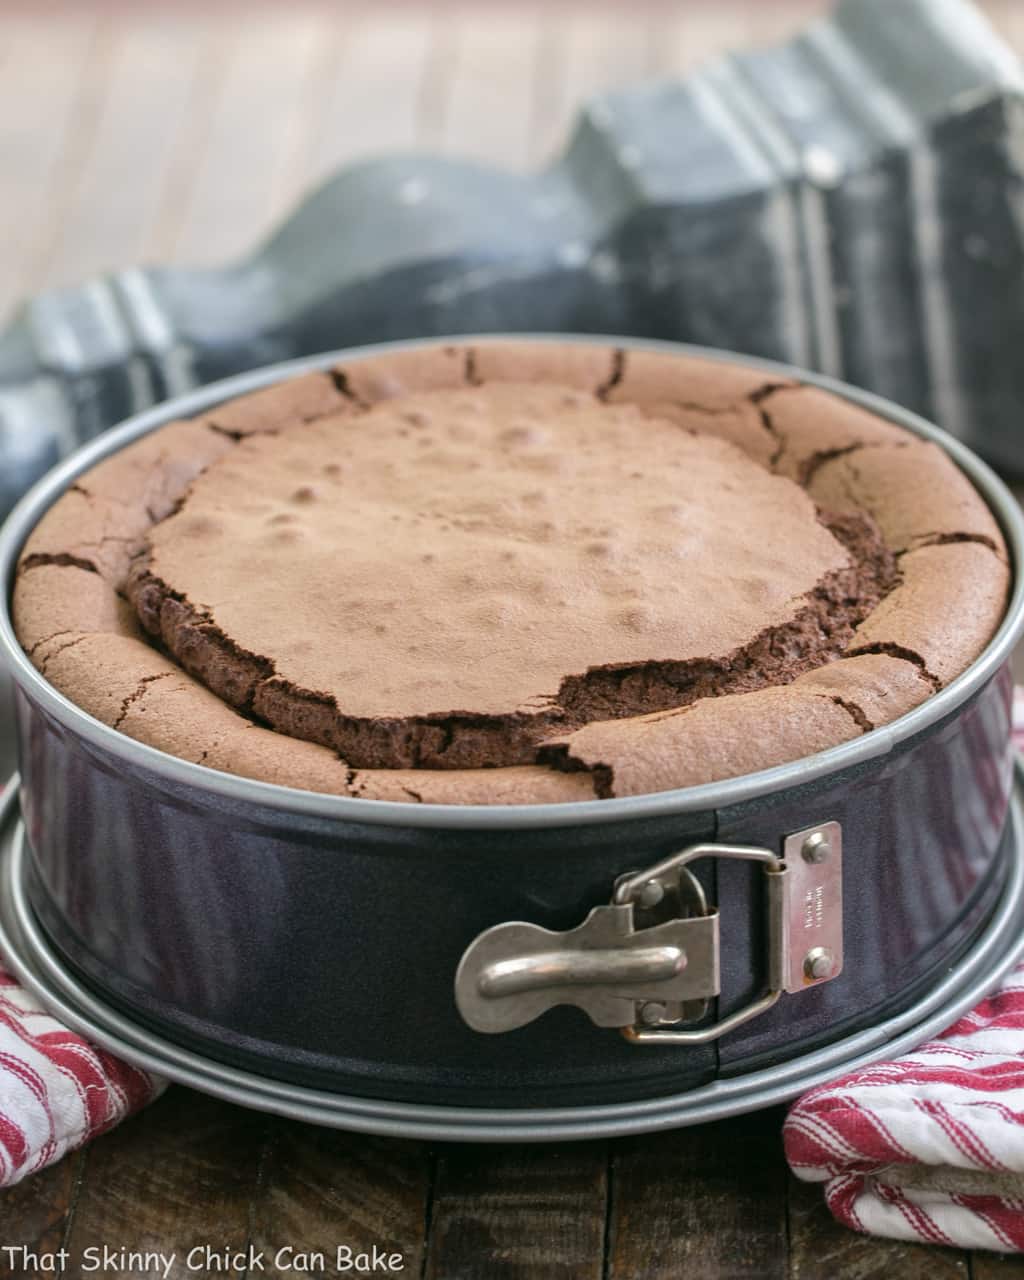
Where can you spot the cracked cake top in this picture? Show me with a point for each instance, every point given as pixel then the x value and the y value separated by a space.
pixel 512 573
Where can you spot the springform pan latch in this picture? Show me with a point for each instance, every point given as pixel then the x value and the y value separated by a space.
pixel 647 963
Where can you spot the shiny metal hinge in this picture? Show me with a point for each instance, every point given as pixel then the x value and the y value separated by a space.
pixel 648 962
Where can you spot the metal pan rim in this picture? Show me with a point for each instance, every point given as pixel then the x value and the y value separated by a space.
pixel 34 963
pixel 177 773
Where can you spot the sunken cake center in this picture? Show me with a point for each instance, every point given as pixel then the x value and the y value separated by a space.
pixel 446 579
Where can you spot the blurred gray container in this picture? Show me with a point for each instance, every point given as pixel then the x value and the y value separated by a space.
pixel 849 202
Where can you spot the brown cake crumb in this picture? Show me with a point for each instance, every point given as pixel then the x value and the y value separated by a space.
pixel 410 565
pixel 519 572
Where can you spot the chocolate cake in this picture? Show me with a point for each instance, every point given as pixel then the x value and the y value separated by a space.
pixel 513 573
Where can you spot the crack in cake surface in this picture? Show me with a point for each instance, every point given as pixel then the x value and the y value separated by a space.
pixel 38 559
pixel 853 676
pixel 820 631
pixel 842 571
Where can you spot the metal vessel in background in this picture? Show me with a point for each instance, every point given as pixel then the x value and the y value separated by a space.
pixel 846 202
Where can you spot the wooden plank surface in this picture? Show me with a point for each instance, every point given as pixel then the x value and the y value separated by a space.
pixel 111 203
pixel 319 1189
pixel 709 1201
pixel 716 1202
pixel 519 1213
pixel 256 121
pixel 180 1176
pixel 994 1266
pixel 36 1214
pixel 374 90
pixel 44 76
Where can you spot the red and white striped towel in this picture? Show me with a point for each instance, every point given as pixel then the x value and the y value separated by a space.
pixel 56 1091
pixel 930 1146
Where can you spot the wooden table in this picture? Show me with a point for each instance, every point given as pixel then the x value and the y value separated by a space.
pixel 715 1201
pixel 183 132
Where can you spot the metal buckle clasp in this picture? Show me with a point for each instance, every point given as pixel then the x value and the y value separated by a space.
pixel 775 872
pixel 648 962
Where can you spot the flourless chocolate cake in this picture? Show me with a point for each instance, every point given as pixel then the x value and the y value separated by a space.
pixel 513 573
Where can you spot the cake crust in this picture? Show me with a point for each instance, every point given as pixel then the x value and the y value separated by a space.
pixel 396 550
pixel 578 500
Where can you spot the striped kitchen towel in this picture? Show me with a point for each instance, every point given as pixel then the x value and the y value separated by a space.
pixel 56 1090
pixel 930 1146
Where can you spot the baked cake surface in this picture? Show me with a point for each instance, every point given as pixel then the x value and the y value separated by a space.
pixel 516 573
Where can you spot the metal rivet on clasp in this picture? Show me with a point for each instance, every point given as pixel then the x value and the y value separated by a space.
pixel 651 894
pixel 815 848
pixel 819 963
